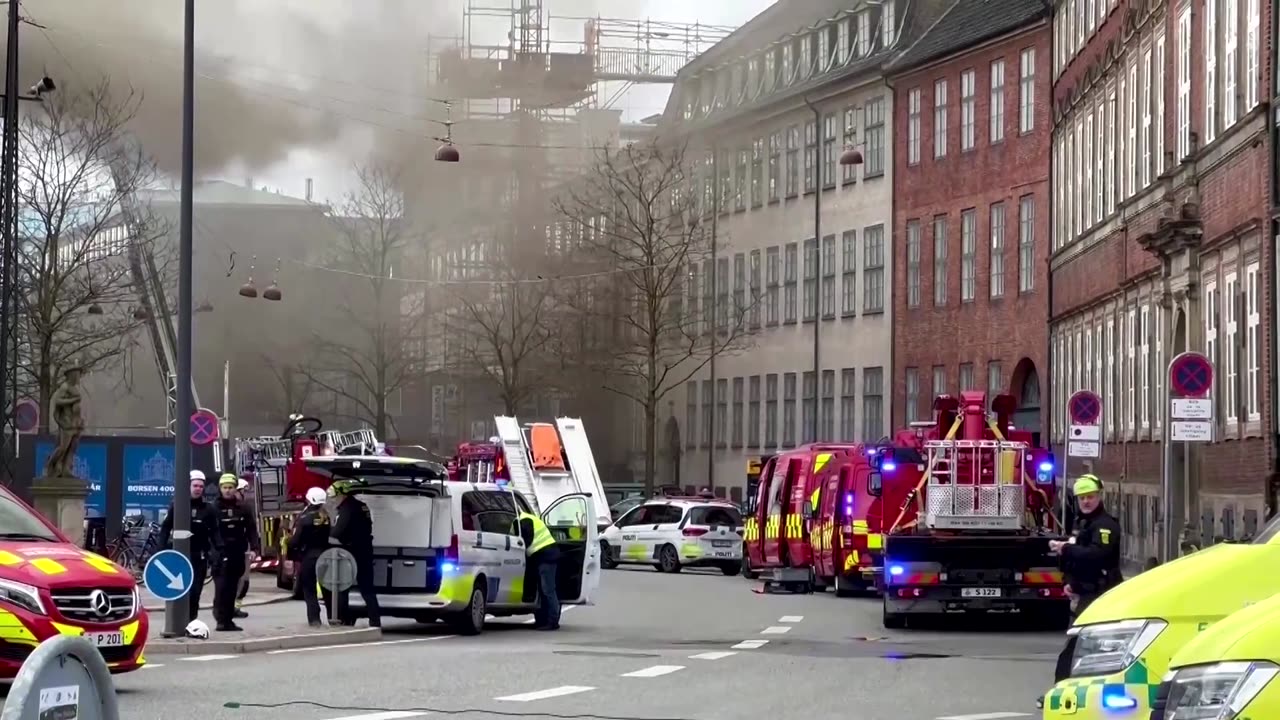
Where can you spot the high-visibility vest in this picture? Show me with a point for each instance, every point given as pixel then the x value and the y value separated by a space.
pixel 542 537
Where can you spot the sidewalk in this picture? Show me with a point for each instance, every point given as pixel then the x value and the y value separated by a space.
pixel 254 598
pixel 271 626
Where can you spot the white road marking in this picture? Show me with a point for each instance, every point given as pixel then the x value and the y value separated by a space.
pixel 791 618
pixel 717 655
pixel 986 716
pixel 750 644
pixel 372 643
pixel 654 671
pixel 149 666
pixel 388 715
pixel 207 658
pixel 776 630
pixel 563 609
pixel 544 694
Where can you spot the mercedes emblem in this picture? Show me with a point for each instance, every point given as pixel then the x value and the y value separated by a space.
pixel 100 603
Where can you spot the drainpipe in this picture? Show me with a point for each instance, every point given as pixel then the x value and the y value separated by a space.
pixel 714 317
pixel 1273 480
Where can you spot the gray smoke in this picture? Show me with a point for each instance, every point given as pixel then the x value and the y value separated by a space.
pixel 271 76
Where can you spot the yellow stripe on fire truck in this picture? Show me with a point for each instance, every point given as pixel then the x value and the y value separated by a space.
pixel 795 527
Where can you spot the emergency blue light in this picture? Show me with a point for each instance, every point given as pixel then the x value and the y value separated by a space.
pixel 1046 466
pixel 896 570
pixel 889 466
pixel 1117 700
pixel 447 567
pixel 872 451
pixel 848 498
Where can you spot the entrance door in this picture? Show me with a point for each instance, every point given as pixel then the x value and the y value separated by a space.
pixel 572 522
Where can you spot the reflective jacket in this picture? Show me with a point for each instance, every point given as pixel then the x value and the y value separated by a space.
pixel 537 536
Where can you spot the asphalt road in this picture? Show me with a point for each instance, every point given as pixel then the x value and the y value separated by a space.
pixel 696 646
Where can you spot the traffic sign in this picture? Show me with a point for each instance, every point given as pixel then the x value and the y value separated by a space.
pixel 26 415
pixel 1084 438
pixel 168 575
pixel 204 427
pixel 336 569
pixel 1086 408
pixel 1190 376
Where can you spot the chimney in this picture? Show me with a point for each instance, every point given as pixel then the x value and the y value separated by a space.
pixel 248 182
pixel 310 187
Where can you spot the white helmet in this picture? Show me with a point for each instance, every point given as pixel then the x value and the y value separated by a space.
pixel 197 475
pixel 242 485
pixel 197 629
pixel 316 496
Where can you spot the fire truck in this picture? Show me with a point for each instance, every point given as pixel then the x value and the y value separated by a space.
pixel 972 522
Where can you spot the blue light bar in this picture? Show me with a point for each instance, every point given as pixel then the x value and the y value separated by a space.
pixel 1046 466
pixel 896 570
pixel 1117 700
pixel 848 498
pixel 889 466
pixel 447 567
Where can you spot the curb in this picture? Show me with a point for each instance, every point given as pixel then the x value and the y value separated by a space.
pixel 248 603
pixel 182 646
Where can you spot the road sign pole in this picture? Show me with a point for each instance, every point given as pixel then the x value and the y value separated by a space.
pixel 1189 418
pixel 1066 460
pixel 1168 544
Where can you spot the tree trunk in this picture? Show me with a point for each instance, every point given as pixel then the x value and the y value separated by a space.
pixel 650 444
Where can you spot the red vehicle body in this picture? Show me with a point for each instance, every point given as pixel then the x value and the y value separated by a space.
pixel 48 587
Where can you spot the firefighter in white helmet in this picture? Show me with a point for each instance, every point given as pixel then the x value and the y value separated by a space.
pixel 310 538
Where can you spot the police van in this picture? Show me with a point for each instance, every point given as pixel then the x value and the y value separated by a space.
pixel 672 533
pixel 452 551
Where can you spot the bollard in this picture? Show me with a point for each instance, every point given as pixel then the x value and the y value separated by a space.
pixel 65 678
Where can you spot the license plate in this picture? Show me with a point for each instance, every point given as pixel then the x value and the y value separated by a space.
pixel 722 554
pixel 106 639
pixel 980 592
pixel 721 543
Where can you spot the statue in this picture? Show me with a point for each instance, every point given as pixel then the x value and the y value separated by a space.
pixel 64 406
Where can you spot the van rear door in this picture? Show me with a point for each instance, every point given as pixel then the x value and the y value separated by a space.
pixel 572 520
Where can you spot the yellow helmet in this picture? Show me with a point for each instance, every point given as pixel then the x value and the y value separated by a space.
pixel 1086 485
pixel 228 480
pixel 338 487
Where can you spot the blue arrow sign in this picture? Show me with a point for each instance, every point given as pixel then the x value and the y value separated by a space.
pixel 168 575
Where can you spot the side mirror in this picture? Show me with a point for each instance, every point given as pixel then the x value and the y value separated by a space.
pixel 806 511
pixel 875 484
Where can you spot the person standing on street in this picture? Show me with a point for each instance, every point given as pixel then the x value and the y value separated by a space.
pixel 204 523
pixel 543 558
pixel 255 547
pixel 353 529
pixel 309 540
pixel 1090 559
pixel 236 530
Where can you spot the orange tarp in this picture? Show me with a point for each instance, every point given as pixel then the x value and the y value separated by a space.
pixel 545 444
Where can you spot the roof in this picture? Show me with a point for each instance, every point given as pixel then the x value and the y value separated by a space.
pixel 775 22
pixel 968 23
pixel 221 192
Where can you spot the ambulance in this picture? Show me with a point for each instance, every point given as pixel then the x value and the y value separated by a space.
pixel 50 587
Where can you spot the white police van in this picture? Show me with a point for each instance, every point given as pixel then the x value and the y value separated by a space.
pixel 671 533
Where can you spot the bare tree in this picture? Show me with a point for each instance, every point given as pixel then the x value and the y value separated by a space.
pixel 361 354
pixel 78 172
pixel 296 387
pixel 640 226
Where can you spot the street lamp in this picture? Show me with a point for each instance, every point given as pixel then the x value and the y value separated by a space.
pixel 272 292
pixel 447 152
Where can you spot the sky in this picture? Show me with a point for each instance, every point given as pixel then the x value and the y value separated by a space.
pixel 295 89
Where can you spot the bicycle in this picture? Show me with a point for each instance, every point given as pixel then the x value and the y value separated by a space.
pixel 126 553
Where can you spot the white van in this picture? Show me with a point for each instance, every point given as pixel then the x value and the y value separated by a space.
pixel 452 551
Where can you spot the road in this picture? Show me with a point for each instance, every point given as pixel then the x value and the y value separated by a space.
pixel 697 646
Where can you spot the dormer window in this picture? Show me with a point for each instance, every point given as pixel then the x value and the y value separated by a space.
pixel 842 30
pixel 806 57
pixel 735 95
pixel 864 33
pixel 770 69
pixel 824 50
pixel 785 79
pixel 753 77
pixel 888 23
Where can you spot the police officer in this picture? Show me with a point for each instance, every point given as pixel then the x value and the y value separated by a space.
pixel 543 558
pixel 310 538
pixel 353 529
pixel 236 531
pixel 1090 559
pixel 203 523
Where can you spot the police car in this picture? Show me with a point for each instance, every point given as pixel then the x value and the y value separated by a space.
pixel 673 533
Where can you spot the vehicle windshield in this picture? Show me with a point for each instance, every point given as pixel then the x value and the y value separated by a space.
pixel 19 523
pixel 1270 533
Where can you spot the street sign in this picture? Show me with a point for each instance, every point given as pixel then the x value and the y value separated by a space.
pixel 168 575
pixel 1190 400
pixel 26 415
pixel 204 427
pixel 1084 437
pixel 336 569
pixel 1190 376
pixel 65 677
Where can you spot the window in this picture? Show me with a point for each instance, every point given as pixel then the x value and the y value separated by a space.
pixel 739 390
pixel 725 168
pixel 757 169
pixel 912 383
pixel 722 293
pixel 827 288
pixel 722 412
pixel 842 39
pixel 1251 44
pixel 827 420
pixel 1252 343
pixel 864 33
pixel 873 130
pixel 489 512
pixel 740 182
pixel 848 400
pixel 757 292
pixel 810 155
pixel 1145 140
pixel 1086 168
pixel 829 150
pixel 939 383
pixel 888 23
pixel 789 287
pixel 1184 82
pixel 997 250
pixel 1230 46
pixel 1099 159
pixel 1157 82
pixel 913 126
pixel 1027 91
pixel 771 411
pixel 810 279
pixel 775 159
pixel 940 118
pixel 968 254
pixel 739 289
pixel 1144 366
pixel 793 159
pixel 995 381
pixel 997 101
pixel 708 413
pixel 849 272
pixel 1211 330
pixel 691 414
pixel 968 109
pixel 966 376
pixel 771 277
pixel 1108 390
pixel 1026 243
pixel 873 269
pixel 850 132
pixel 693 292
pixel 872 404
pixel 1158 365
pixel 753 411
pixel 913 263
pixel 1230 347
pixel 940 260
pixel 1112 190
pixel 789 410
pixel 1210 54
pixel 1131 338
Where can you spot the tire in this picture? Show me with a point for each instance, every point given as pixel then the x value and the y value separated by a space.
pixel 470 620
pixel 606 558
pixel 845 588
pixel 748 572
pixel 892 621
pixel 731 569
pixel 668 560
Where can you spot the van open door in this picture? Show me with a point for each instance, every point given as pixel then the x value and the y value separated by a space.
pixel 571 519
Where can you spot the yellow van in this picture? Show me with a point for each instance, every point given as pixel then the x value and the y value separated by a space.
pixel 1228 671
pixel 1126 639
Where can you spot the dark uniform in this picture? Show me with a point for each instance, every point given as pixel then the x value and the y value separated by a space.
pixel 543 561
pixel 309 540
pixel 237 531
pixel 255 547
pixel 1090 566
pixel 353 528
pixel 204 544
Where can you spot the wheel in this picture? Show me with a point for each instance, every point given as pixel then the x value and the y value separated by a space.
pixel 891 620
pixel 606 558
pixel 669 559
pixel 748 572
pixel 470 620
pixel 846 588
pixel 731 569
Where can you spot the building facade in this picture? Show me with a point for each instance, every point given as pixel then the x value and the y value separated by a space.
pixel 1162 212
pixel 971 208
pixel 773 105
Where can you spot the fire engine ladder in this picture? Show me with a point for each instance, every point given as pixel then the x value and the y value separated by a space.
pixel 582 464
pixel 270 448
pixel 516 453
pixel 341 441
pixel 991 500
pixel 480 472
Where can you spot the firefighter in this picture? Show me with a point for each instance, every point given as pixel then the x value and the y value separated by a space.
pixel 203 522
pixel 255 548
pixel 236 533
pixel 310 538
pixel 1090 559
pixel 353 529
pixel 543 557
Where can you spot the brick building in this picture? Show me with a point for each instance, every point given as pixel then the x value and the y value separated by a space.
pixel 971 208
pixel 1161 160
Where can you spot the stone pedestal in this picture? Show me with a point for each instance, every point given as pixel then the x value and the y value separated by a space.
pixel 62 501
